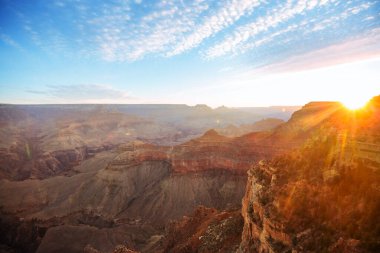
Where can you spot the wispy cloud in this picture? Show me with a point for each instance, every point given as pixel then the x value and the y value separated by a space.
pixel 34 35
pixel 37 92
pixel 358 49
pixel 154 33
pixel 274 18
pixel 305 27
pixel 129 30
pixel 84 93
pixel 224 17
pixel 10 42
pixel 329 22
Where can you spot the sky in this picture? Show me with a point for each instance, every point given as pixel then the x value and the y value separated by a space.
pixel 232 53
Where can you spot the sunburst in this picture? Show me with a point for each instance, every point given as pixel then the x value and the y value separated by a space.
pixel 355 103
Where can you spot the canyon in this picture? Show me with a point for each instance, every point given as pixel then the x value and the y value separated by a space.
pixel 63 168
pixel 89 186
pixel 40 141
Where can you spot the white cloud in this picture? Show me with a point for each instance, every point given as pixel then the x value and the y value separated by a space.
pixel 331 21
pixel 81 92
pixel 35 36
pixel 248 36
pixel 257 43
pixel 365 47
pixel 224 17
pixel 155 32
pixel 262 24
pixel 115 31
pixel 9 41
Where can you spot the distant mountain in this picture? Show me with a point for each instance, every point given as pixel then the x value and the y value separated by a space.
pixel 280 112
pixel 40 141
pixel 259 126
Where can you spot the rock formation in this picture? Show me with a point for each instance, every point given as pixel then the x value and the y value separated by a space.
pixel 205 230
pixel 323 197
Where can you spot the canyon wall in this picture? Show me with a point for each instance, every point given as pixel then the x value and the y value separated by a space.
pixel 324 196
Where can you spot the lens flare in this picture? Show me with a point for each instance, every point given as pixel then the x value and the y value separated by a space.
pixel 355 103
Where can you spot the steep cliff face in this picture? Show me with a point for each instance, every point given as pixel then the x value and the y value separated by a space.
pixel 285 211
pixel 323 197
pixel 263 230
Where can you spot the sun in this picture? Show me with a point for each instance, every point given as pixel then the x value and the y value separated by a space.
pixel 354 103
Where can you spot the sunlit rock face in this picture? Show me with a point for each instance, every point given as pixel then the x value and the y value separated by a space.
pixel 322 197
pixel 264 230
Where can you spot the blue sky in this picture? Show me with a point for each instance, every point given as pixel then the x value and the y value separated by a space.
pixel 234 53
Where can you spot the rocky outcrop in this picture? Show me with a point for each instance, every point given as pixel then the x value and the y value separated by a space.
pixel 322 197
pixel 262 231
pixel 282 216
pixel 205 230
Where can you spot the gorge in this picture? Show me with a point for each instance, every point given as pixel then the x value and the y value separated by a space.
pixel 195 196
